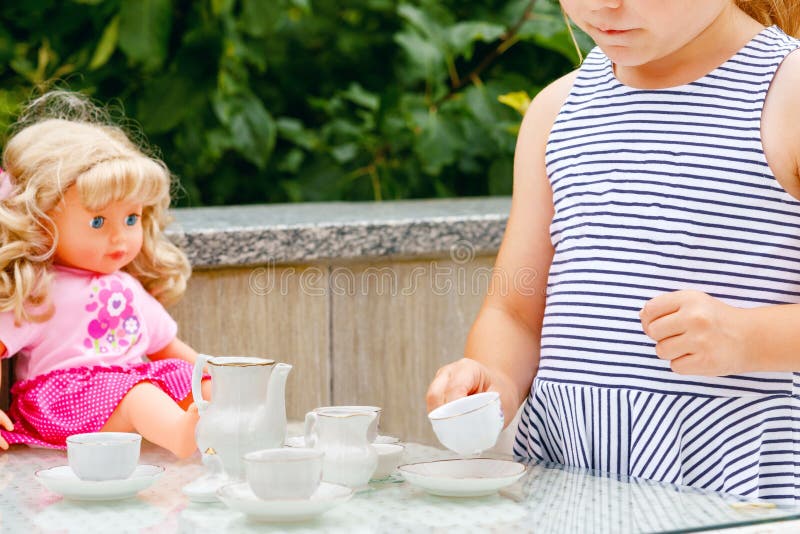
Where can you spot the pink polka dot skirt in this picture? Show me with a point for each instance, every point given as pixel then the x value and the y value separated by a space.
pixel 48 408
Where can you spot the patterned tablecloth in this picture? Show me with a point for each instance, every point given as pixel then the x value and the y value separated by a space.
pixel 546 499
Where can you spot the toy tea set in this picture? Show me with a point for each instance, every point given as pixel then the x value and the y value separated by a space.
pixel 253 468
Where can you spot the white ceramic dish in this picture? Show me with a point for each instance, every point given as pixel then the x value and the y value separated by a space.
pixel 62 480
pixel 470 477
pixel 239 497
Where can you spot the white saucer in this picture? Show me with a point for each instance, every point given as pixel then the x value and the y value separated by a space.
pixel 238 496
pixel 470 477
pixel 64 481
pixel 300 441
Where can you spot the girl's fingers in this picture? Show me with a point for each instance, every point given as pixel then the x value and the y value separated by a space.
pixel 452 382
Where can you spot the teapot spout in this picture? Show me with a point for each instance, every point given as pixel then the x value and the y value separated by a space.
pixel 276 401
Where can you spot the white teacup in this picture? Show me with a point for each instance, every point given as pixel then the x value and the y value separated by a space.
pixel 469 425
pixel 103 455
pixel 288 473
pixel 372 432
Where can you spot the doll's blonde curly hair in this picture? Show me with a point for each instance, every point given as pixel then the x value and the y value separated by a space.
pixel 63 140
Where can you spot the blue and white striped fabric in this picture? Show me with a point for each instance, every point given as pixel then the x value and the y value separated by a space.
pixel 656 191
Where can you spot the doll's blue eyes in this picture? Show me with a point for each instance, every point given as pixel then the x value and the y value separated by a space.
pixel 99 221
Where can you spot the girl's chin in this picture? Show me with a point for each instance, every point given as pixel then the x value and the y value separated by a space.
pixel 624 56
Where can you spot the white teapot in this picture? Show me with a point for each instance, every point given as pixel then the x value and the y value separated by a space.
pixel 247 411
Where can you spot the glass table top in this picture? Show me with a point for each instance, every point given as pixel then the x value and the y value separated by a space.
pixel 548 498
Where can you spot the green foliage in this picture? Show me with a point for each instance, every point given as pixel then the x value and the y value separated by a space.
pixel 294 100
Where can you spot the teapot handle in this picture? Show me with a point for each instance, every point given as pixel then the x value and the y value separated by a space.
pixel 309 435
pixel 197 376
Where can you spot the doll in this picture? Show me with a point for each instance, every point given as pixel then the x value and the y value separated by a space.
pixel 84 272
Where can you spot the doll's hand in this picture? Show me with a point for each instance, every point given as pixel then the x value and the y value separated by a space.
pixel 698 334
pixel 6 423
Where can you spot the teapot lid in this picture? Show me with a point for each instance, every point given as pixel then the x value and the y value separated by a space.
pixel 238 361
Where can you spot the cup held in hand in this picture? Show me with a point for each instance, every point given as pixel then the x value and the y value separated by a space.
pixel 469 425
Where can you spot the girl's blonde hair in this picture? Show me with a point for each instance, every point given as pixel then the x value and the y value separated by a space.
pixel 64 140
pixel 783 13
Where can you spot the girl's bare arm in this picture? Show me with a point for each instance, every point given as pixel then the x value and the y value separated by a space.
pixel 502 350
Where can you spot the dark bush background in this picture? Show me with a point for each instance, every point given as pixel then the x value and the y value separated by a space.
pixel 299 100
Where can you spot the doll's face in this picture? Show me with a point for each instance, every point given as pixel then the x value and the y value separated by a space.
pixel 103 241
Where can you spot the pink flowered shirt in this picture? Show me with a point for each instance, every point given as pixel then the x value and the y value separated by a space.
pixel 98 320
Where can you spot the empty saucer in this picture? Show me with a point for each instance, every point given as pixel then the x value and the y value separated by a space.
pixel 65 482
pixel 470 477
pixel 238 496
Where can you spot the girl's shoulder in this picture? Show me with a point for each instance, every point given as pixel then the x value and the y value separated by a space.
pixel 781 123
pixel 545 106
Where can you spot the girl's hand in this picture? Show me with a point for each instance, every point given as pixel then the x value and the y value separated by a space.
pixel 6 423
pixel 458 379
pixel 698 334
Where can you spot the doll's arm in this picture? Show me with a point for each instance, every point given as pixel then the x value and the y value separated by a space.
pixel 175 349
pixel 5 422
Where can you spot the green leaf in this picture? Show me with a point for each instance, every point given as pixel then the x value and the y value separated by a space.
pixel 463 35
pixel 420 20
pixel 106 46
pixel 168 100
pixel 344 153
pixel 292 161
pixel 144 28
pixel 292 130
pixel 518 100
pixel 423 54
pixel 251 127
pixel 222 7
pixel 358 95
pixel 438 144
pixel 258 17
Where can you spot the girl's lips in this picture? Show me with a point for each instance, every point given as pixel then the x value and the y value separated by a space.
pixel 117 255
pixel 610 31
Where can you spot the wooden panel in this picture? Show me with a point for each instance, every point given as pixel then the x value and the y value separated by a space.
pixel 394 325
pixel 279 313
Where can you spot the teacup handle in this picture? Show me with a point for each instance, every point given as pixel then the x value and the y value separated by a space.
pixel 309 435
pixel 197 377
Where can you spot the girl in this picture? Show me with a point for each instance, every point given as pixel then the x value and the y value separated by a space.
pixel 658 185
pixel 84 268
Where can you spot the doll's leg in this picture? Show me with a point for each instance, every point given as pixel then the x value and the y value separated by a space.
pixel 206 385
pixel 148 410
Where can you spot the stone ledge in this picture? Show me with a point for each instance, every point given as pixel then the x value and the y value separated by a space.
pixel 312 232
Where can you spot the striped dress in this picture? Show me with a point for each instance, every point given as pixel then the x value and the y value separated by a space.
pixel 657 191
